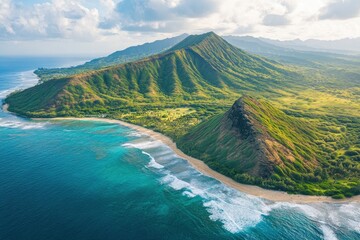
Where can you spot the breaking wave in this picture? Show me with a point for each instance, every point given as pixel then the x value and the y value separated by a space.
pixel 25 125
pixel 236 210
pixel 21 80
pixel 152 162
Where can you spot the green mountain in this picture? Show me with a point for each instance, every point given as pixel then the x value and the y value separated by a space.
pixel 305 138
pixel 127 55
pixel 256 143
pixel 262 47
pixel 200 68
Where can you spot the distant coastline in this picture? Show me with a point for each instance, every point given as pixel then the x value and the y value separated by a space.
pixel 272 195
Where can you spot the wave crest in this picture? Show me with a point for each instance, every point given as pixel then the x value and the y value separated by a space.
pixel 8 123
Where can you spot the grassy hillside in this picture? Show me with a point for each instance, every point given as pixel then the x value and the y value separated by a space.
pixel 256 143
pixel 305 138
pixel 118 57
pixel 200 69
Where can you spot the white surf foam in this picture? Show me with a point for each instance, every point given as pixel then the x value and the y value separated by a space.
pixel 174 182
pixel 9 123
pixel 328 216
pixel 26 79
pixel 352 213
pixel 189 194
pixel 143 144
pixel 4 93
pixel 236 210
pixel 136 134
pixel 152 162
pixel 328 233
pixel 166 155
pixel 306 209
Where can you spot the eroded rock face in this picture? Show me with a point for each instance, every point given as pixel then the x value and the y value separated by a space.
pixel 267 152
pixel 240 120
pixel 247 129
pixel 244 140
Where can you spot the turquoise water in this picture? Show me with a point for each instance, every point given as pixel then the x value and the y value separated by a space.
pixel 95 180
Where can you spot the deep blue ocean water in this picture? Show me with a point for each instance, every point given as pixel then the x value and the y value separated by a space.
pixel 95 180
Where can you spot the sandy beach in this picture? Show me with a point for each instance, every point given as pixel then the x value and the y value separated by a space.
pixel 271 195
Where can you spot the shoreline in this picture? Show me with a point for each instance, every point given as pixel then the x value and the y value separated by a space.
pixel 272 195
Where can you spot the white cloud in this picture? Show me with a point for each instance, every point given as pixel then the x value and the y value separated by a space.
pixel 123 21
pixel 341 9
pixel 55 19
pixel 108 4
pixel 5 14
pixel 283 19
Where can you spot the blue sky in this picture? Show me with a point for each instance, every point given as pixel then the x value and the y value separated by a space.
pixel 97 27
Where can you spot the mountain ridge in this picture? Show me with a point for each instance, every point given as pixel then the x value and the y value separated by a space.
pixel 129 54
pixel 193 40
pixel 191 86
pixel 263 47
pixel 208 68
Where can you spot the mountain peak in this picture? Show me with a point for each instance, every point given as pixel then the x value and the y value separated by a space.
pixel 256 137
pixel 193 40
pixel 200 67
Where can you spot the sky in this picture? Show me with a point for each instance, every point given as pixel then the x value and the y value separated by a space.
pixel 98 27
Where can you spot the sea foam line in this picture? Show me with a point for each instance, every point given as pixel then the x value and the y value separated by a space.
pixel 152 162
pixel 26 79
pixel 236 210
pixel 7 123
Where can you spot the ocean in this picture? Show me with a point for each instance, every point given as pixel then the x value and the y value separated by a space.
pixel 94 180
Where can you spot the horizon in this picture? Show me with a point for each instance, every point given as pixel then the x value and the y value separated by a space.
pixel 39 27
pixel 93 55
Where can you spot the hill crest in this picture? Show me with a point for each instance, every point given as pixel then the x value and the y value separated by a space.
pixel 209 68
pixel 195 40
pixel 254 139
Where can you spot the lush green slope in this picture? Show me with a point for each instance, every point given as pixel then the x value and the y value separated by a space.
pixel 118 57
pixel 256 143
pixel 311 145
pixel 200 68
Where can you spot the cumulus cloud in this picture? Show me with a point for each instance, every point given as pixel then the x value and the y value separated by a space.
pixel 5 14
pixel 99 19
pixel 341 9
pixel 225 16
pixel 55 19
pixel 162 15
pixel 275 20
pixel 155 10
pixel 189 15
